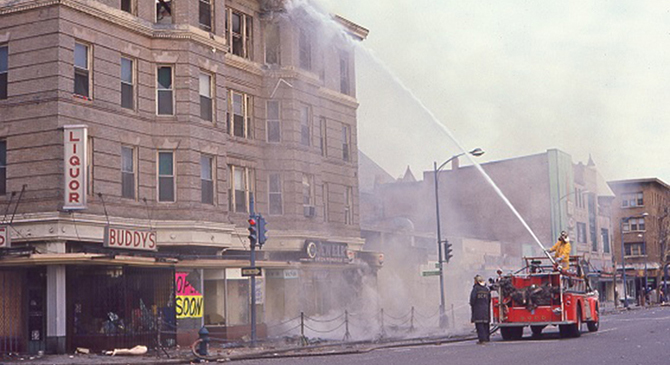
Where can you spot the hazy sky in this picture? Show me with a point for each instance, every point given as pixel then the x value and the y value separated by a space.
pixel 516 78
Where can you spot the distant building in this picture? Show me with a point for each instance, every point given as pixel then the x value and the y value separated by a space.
pixel 640 217
pixel 134 137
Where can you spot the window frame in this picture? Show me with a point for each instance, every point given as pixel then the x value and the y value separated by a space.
pixel 131 6
pixel 211 98
pixel 134 159
pixel 4 74
pixel 171 90
pixel 305 125
pixel 272 32
pixel 249 177
pixel 305 49
pixel 78 70
pixel 605 236
pixel 323 136
pixel 632 200
pixel 173 176
pixel 346 142
pixel 278 193
pixel 210 14
pixel 308 186
pixel 245 35
pixel 640 249
pixel 247 107
pixel 345 73
pixel 211 162
pixel 132 84
pixel 272 120
pixel 348 205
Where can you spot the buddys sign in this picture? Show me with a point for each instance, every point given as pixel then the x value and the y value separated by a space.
pixel 189 301
pixel 130 238
pixel 75 155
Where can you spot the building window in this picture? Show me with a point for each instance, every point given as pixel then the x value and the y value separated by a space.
pixel 632 200
pixel 305 49
pixel 239 121
pixel 127 83
pixel 581 232
pixel 4 71
pixel 304 125
pixel 206 97
pixel 308 195
pixel 324 195
pixel 128 172
pixel 82 68
pixel 241 187
pixel 348 205
pixel 127 6
pixel 635 249
pixel 346 142
pixel 207 179
pixel 163 11
pixel 634 224
pixel 275 194
pixel 323 146
pixel 165 95
pixel 344 73
pixel 239 32
pixel 205 15
pixel 3 167
pixel 166 177
pixel 273 120
pixel 272 45
pixel 605 234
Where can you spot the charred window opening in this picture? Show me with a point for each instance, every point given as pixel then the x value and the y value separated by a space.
pixel 205 14
pixel 164 11
pixel 272 45
pixel 239 33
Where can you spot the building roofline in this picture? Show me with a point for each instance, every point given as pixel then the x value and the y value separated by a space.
pixel 640 181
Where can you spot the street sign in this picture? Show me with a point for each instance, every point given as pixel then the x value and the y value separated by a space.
pixel 251 271
pixel 430 273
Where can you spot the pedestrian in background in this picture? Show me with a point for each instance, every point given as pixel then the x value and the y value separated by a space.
pixel 480 302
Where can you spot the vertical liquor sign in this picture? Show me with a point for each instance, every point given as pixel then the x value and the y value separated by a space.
pixel 75 154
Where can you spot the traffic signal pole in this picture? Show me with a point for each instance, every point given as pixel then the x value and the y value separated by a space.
pixel 253 234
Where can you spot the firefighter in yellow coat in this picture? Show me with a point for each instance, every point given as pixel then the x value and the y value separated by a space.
pixel 562 249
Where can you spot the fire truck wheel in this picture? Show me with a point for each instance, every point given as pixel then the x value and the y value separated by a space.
pixel 594 325
pixel 511 333
pixel 537 330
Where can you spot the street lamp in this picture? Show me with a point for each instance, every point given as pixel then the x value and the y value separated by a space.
pixel 623 257
pixel 475 152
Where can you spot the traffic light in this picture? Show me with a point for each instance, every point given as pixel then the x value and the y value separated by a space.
pixel 262 231
pixel 447 251
pixel 253 230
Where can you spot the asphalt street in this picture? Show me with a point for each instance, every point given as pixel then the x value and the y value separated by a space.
pixel 640 336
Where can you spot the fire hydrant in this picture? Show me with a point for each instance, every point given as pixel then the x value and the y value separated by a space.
pixel 204 341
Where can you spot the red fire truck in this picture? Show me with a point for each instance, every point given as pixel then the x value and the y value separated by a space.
pixel 540 295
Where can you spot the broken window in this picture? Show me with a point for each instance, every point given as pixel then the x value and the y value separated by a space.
pixel 127 83
pixel 273 121
pixel 206 106
pixel 164 11
pixel 164 94
pixel 305 125
pixel 4 70
pixel 81 70
pixel 239 32
pixel 239 121
pixel 275 194
pixel 305 49
pixel 272 45
pixel 242 188
pixel 207 179
pixel 166 177
pixel 205 14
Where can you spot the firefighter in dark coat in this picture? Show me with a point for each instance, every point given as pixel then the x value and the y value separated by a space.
pixel 480 302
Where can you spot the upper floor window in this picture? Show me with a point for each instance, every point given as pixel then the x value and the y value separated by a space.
pixel 323 141
pixel 344 73
pixel 634 224
pixel 275 194
pixel 273 121
pixel 127 6
pixel 205 14
pixel 127 83
pixel 346 142
pixel 241 188
pixel 207 179
pixel 605 234
pixel 164 91
pixel 272 45
pixel 581 232
pixel 239 121
pixel 305 119
pixel 82 66
pixel 3 167
pixel 632 200
pixel 128 172
pixel 206 107
pixel 305 49
pixel 348 205
pixel 308 195
pixel 325 194
pixel 164 11
pixel 239 32
pixel 166 176
pixel 4 70
pixel 635 249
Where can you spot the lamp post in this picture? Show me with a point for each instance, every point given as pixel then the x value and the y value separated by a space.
pixel 623 258
pixel 475 152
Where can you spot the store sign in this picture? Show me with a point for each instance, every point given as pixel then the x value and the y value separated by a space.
pixel 189 303
pixel 330 252
pixel 129 238
pixel 75 138
pixel 5 237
